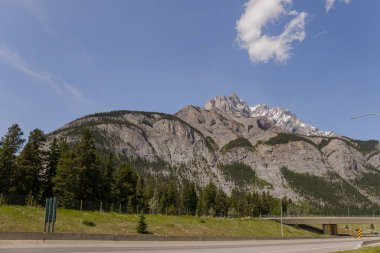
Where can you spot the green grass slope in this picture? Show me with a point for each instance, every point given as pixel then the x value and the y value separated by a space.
pixel 31 219
pixel 362 250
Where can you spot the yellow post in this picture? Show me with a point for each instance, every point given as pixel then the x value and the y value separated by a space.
pixel 360 233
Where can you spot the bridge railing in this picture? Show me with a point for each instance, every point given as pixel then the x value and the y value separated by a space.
pixel 318 215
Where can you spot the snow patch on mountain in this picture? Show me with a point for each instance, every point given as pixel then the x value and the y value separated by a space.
pixel 280 117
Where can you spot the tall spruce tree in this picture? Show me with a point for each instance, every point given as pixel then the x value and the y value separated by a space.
pixel 52 159
pixel 89 168
pixel 141 198
pixel 169 202
pixel 125 180
pixel 66 183
pixel 189 198
pixel 30 165
pixel 107 166
pixel 209 195
pixel 10 145
pixel 221 203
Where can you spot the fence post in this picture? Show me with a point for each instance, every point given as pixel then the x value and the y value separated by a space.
pixel 81 204
pixel 101 206
pixel 119 207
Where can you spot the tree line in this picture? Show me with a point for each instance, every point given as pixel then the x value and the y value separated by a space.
pixel 81 174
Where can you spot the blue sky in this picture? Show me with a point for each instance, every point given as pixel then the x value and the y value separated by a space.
pixel 60 60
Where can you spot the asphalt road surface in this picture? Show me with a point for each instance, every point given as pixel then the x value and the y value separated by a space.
pixel 262 246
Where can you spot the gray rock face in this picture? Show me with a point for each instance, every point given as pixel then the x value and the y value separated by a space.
pixel 231 104
pixel 197 142
pixel 280 117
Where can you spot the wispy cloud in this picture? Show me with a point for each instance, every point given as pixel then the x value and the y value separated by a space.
pixel 51 80
pixel 257 15
pixel 330 3
pixel 317 35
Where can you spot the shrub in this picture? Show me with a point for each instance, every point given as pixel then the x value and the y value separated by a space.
pixel 142 227
pixel 88 223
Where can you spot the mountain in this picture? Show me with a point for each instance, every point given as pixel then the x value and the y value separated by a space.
pixel 280 117
pixel 239 146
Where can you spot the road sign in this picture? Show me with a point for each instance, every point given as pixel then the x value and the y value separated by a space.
pixel 51 205
pixel 360 233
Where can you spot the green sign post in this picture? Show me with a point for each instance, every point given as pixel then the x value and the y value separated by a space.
pixel 50 214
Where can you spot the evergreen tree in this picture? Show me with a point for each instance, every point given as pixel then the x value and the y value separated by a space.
pixel 30 165
pixel 172 197
pixel 10 145
pixel 238 202
pixel 67 181
pixel 253 204
pixel 89 169
pixel 189 198
pixel 125 181
pixel 130 205
pixel 141 200
pixel 107 165
pixel 209 197
pixel 267 203
pixel 53 156
pixel 221 203
pixel 201 205
pixel 142 227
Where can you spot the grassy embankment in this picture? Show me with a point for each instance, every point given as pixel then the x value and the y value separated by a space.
pixel 362 250
pixel 31 219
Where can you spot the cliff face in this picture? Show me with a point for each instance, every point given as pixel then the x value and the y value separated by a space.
pixel 227 143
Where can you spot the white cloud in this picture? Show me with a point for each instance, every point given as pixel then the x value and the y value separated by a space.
pixel 317 35
pixel 257 15
pixel 51 80
pixel 330 3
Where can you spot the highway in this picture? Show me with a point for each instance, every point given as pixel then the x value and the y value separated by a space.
pixel 253 246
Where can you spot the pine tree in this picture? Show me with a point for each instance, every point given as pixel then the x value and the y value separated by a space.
pixel 30 165
pixel 107 166
pixel 221 203
pixel 53 156
pixel 142 226
pixel 89 168
pixel 141 200
pixel 10 144
pixel 125 181
pixel 210 195
pixel 67 181
pixel 189 198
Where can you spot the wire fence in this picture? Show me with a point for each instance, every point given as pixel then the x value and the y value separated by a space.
pixel 155 208
pixel 87 205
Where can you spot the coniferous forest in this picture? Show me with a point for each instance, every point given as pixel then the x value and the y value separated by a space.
pixel 84 177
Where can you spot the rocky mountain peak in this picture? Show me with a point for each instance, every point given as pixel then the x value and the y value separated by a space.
pixel 231 104
pixel 280 117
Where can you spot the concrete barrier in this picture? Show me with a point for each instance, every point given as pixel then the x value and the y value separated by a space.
pixel 146 237
pixel 77 236
pixel 113 237
pixel 21 236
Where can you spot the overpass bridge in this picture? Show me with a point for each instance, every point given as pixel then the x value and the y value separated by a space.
pixel 330 224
